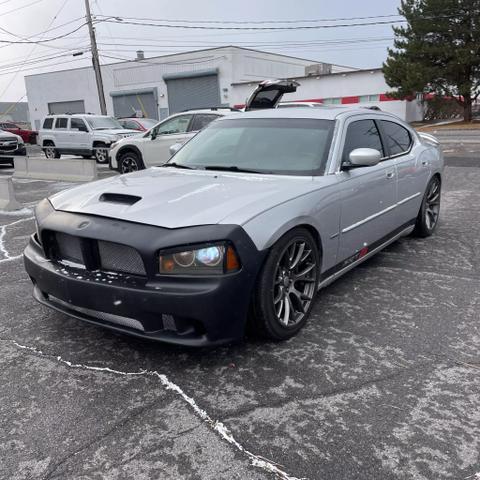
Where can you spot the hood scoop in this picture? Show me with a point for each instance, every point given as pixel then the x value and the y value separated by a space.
pixel 119 198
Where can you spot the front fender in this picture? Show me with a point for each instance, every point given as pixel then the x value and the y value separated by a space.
pixel 319 210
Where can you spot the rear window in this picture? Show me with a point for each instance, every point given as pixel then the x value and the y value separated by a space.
pixel 61 123
pixel 398 138
pixel 48 123
pixel 362 134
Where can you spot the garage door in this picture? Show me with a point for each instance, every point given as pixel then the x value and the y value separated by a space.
pixel 73 106
pixel 193 92
pixel 141 104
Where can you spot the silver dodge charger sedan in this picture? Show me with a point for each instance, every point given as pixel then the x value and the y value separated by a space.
pixel 239 230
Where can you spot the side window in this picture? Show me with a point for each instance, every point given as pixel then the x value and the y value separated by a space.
pixel 201 120
pixel 398 138
pixel 61 122
pixel 48 123
pixel 175 125
pixel 78 124
pixel 362 134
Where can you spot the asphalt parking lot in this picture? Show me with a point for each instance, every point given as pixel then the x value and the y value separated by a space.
pixel 383 383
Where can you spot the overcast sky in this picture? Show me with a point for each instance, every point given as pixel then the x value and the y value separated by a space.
pixel 366 47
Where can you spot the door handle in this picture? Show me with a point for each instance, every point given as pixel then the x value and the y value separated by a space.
pixel 425 163
pixel 390 174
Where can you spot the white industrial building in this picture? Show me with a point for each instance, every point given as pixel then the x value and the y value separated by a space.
pixel 159 86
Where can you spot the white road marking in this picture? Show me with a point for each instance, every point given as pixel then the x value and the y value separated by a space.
pixel 215 425
pixel 3 250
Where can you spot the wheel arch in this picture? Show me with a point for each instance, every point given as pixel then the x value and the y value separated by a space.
pixel 129 148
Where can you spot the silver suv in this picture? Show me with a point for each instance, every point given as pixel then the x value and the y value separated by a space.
pixel 86 135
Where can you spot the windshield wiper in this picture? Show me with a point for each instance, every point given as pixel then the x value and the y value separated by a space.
pixel 233 168
pixel 177 165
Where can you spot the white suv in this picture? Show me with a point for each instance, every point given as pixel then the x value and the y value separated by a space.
pixel 86 135
pixel 153 147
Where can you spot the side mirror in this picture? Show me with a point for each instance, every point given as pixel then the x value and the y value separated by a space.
pixel 364 157
pixel 175 148
pixel 82 129
pixel 153 134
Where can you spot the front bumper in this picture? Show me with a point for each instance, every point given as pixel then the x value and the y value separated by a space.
pixel 194 311
pixel 7 156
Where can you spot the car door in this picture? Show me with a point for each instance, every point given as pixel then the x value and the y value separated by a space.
pixel 61 133
pixel 412 171
pixel 156 144
pixel 79 138
pixel 369 193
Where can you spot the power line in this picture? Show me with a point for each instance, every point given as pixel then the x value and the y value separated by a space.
pixel 254 22
pixel 122 21
pixel 43 41
pixel 20 8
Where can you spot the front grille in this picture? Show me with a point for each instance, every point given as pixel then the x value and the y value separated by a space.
pixel 94 254
pixel 7 144
pixel 69 248
pixel 120 258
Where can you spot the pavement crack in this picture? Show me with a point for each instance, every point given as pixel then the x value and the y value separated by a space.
pixel 217 426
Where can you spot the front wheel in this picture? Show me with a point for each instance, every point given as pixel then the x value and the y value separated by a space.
pixel 286 287
pixel 130 162
pixel 101 153
pixel 427 219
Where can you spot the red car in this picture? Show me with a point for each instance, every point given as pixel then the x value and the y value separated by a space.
pixel 28 136
pixel 140 124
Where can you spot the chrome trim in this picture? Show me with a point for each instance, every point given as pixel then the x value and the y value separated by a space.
pixel 411 197
pixel 371 217
pixel 344 270
pixel 375 215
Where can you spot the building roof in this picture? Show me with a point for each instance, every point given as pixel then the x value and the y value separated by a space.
pixel 146 60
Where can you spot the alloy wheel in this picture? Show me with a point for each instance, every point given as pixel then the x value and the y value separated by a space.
pixel 295 283
pixel 129 164
pixel 50 152
pixel 432 204
pixel 101 154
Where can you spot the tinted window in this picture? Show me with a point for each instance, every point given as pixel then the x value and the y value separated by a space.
pixel 285 146
pixel 77 124
pixel 362 134
pixel 175 125
pixel 397 137
pixel 201 120
pixel 47 123
pixel 61 123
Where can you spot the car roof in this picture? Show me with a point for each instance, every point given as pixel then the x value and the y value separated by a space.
pixel 326 113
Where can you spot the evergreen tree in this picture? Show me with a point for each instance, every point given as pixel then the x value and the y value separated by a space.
pixel 438 51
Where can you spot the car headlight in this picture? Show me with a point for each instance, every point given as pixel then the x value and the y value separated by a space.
pixel 42 211
pixel 211 259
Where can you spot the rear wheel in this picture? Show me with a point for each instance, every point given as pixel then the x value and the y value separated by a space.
pixel 130 162
pixel 101 153
pixel 286 287
pixel 427 219
pixel 50 150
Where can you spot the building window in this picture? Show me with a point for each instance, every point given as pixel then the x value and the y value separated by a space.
pixel 369 98
pixel 332 101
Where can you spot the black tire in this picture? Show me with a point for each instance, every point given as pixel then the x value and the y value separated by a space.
pixel 268 311
pixel 50 151
pixel 130 161
pixel 427 219
pixel 100 152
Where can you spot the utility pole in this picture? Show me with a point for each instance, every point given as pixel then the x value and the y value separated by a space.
pixel 95 60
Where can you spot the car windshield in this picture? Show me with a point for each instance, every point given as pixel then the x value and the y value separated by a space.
pixel 103 123
pixel 147 122
pixel 286 146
